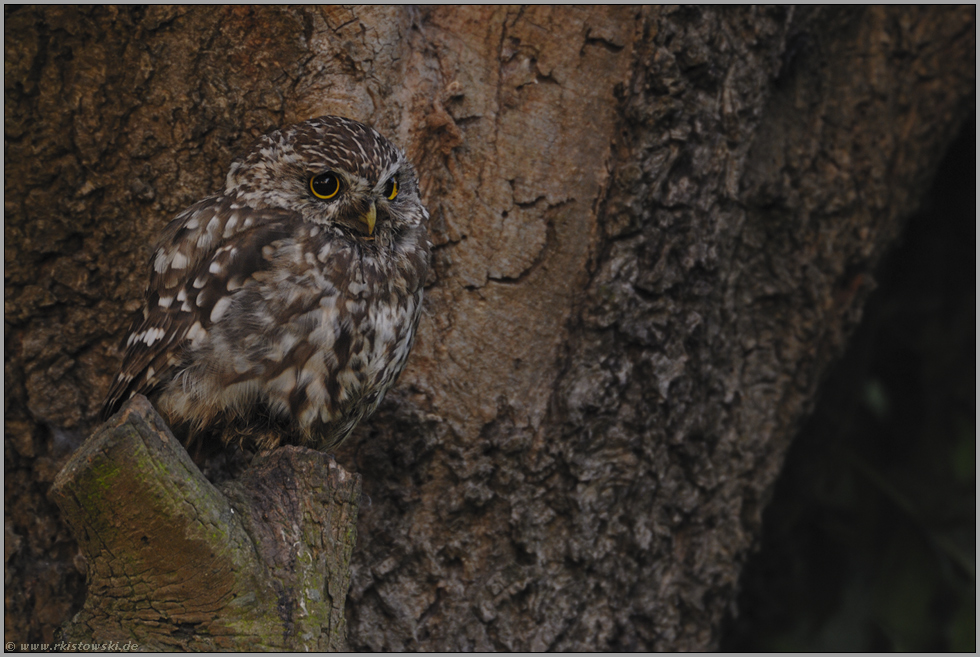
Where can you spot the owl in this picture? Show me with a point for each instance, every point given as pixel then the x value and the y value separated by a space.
pixel 281 310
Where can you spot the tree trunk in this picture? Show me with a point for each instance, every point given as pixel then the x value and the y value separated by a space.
pixel 654 230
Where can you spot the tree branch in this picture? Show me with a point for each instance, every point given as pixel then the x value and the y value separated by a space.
pixel 263 562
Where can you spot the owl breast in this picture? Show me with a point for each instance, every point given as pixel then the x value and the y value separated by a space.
pixel 304 347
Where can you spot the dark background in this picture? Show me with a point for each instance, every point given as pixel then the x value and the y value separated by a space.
pixel 869 542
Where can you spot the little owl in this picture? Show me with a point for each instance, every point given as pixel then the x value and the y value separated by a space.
pixel 282 309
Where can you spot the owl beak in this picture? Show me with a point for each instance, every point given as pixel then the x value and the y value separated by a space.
pixel 369 218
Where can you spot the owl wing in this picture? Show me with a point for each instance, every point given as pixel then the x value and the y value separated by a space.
pixel 208 251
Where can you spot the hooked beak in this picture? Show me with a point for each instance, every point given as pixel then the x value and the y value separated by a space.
pixel 369 218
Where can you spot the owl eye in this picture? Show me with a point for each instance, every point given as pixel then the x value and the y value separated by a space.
pixel 391 189
pixel 325 186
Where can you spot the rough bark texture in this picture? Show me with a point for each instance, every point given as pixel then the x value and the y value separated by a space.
pixel 177 564
pixel 654 230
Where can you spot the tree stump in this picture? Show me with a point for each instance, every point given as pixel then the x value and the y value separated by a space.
pixel 175 563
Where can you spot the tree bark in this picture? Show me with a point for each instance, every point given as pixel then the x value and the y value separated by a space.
pixel 654 230
pixel 177 564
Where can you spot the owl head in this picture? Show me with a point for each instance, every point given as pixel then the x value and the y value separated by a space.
pixel 334 172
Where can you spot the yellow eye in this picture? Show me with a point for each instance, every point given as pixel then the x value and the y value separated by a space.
pixel 325 186
pixel 391 189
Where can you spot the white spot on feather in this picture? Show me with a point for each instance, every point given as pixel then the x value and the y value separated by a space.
pixel 196 332
pixel 152 335
pixel 219 308
pixel 160 262
pixel 284 383
pixel 230 226
pixel 180 261
pixel 241 365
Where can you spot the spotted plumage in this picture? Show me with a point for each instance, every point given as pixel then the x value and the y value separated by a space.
pixel 282 309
